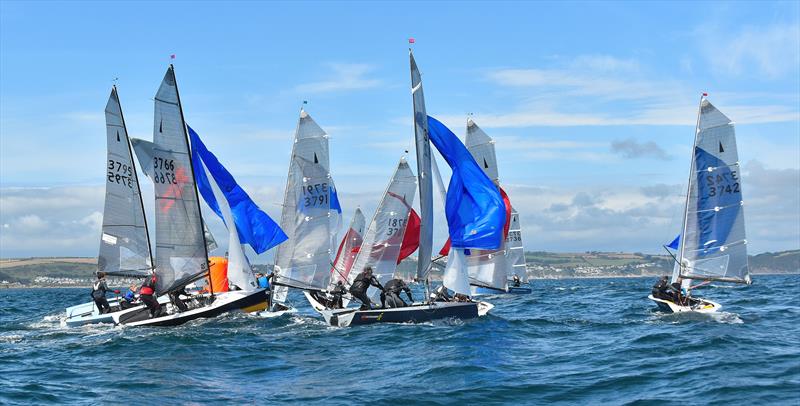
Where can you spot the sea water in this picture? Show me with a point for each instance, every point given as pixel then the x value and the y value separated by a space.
pixel 577 341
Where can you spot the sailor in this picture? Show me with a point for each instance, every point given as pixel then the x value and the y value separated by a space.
pixel 392 293
pixel 99 293
pixel 677 297
pixel 458 297
pixel 146 293
pixel 359 287
pixel 660 289
pixel 440 294
pixel 175 298
pixel 129 298
pixel 337 292
pixel 516 280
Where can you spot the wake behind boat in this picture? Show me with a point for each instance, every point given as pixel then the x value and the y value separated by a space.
pixel 712 245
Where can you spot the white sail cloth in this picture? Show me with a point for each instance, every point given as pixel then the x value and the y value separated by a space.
pixel 124 242
pixel 310 215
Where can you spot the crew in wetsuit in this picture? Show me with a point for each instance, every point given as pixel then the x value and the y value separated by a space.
pixel 392 292
pixel 660 289
pixel 174 297
pixel 99 293
pixel 336 295
pixel 359 287
pixel 129 298
pixel 516 280
pixel 146 293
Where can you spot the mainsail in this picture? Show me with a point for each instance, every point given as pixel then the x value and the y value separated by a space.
pixel 309 206
pixel 348 249
pixel 124 243
pixel 181 255
pixel 713 244
pixel 385 234
pixel 514 249
pixel 423 149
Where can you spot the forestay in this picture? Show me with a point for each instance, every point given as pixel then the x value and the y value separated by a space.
pixel 384 237
pixel 181 255
pixel 713 245
pixel 348 249
pixel 124 242
pixel 309 217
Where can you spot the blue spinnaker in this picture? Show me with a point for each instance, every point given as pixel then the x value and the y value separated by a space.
pixel 675 243
pixel 254 226
pixel 474 207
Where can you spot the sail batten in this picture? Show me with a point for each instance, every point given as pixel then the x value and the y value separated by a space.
pixel 384 237
pixel 124 241
pixel 310 213
pixel 713 245
pixel 181 255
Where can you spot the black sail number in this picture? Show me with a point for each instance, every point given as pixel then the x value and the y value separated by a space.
pixel 119 173
pixel 315 195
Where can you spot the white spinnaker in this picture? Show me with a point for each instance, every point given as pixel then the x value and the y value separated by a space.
pixel 384 236
pixel 304 260
pixel 239 270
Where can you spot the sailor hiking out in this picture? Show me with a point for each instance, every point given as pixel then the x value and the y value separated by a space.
pixel 391 294
pixel 360 285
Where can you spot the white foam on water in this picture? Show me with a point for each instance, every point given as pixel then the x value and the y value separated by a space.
pixel 266 314
pixel 11 338
pixel 726 318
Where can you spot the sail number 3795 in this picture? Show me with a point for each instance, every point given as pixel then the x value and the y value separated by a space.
pixel 120 173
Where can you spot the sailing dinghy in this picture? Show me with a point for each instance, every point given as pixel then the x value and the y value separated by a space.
pixel 712 245
pixel 181 246
pixel 470 202
pixel 124 241
pixel 310 217
pixel 492 271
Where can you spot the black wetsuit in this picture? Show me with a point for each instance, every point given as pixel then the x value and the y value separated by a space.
pixel 516 281
pixel 359 289
pixel 392 292
pixel 660 290
pixel 99 295
pixel 174 297
pixel 337 293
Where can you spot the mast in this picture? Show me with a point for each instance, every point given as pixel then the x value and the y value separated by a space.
pixel 423 150
pixel 197 191
pixel 678 271
pixel 136 177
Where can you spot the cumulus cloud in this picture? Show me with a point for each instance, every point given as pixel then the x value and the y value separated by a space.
pixel 630 148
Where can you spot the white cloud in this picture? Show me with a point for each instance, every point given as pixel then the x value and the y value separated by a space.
pixel 772 51
pixel 344 77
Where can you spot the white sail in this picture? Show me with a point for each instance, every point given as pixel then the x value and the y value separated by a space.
pixel 181 255
pixel 348 249
pixel 486 268
pixel 384 236
pixel 713 244
pixel 514 249
pixel 240 273
pixel 124 242
pixel 304 261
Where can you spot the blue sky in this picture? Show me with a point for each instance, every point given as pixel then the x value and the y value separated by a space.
pixel 592 104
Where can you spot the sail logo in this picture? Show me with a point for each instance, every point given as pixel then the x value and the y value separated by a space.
pixel 376 318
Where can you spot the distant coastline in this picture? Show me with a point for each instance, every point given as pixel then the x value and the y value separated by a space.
pixel 66 272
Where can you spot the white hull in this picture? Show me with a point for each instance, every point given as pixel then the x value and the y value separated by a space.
pixel 705 306
pixel 88 313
